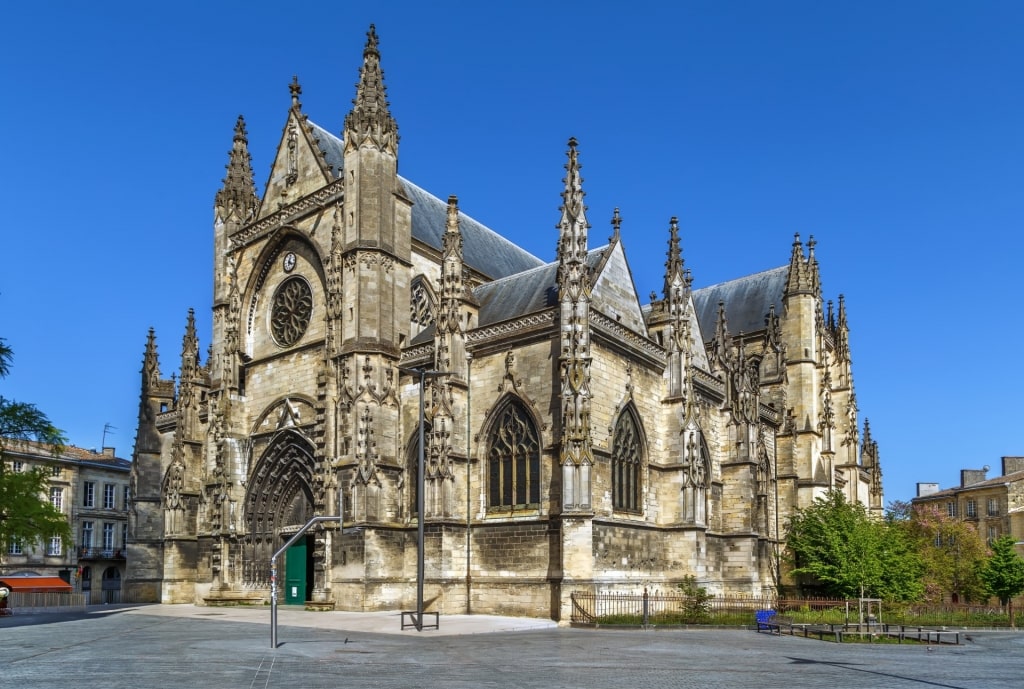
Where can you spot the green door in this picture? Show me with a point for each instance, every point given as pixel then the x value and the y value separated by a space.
pixel 295 574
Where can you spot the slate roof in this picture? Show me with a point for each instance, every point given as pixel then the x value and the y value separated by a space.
pixel 526 292
pixel 483 249
pixel 747 301
pixel 44 451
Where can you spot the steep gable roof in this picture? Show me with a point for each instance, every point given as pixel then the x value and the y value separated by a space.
pixel 747 301
pixel 614 291
pixel 483 250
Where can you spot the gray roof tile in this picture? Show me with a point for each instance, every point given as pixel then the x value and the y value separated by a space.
pixel 483 248
pixel 747 301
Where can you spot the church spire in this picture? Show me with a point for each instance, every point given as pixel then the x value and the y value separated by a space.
pixel 677 278
pixel 150 363
pixel 721 352
pixel 370 122
pixel 451 277
pixel 576 453
pixel 238 193
pixel 295 90
pixel 616 227
pixel 190 347
pixel 572 238
pixel 803 272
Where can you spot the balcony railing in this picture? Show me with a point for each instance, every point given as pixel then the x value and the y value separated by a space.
pixel 101 554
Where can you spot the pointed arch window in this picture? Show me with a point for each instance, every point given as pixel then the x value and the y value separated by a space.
pixel 696 476
pixel 422 304
pixel 627 461
pixel 412 480
pixel 513 456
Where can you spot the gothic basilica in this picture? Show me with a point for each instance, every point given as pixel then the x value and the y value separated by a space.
pixel 575 436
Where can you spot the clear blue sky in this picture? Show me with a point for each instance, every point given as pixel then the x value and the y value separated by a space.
pixel 891 131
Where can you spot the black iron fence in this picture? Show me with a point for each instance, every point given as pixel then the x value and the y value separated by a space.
pixel 668 608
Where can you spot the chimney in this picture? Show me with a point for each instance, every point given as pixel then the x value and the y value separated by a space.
pixel 924 489
pixel 968 477
pixel 108 452
pixel 1012 464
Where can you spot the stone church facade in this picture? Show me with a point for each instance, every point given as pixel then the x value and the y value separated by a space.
pixel 576 436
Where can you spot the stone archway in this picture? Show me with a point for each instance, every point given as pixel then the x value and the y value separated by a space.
pixel 278 500
pixel 111 584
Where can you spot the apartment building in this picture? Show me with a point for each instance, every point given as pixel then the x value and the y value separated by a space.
pixel 994 505
pixel 91 488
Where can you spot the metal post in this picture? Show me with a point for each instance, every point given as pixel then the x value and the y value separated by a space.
pixel 273 570
pixel 420 484
pixel 420 490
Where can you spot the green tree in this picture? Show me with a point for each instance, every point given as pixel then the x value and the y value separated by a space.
pixel 952 552
pixel 1003 572
pixel 26 515
pixel 838 545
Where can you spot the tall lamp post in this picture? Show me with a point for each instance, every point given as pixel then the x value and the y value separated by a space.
pixel 423 375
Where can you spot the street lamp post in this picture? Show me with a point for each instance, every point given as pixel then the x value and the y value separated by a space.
pixel 423 374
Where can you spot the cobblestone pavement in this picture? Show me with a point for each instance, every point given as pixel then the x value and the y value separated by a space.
pixel 213 648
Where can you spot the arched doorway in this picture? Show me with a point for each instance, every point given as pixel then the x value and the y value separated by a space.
pixel 86 576
pixel 111 585
pixel 278 502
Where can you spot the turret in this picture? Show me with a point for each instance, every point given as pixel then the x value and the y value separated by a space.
pixel 376 217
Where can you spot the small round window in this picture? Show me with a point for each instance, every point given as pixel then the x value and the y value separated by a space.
pixel 291 311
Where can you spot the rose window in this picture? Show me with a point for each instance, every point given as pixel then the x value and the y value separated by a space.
pixel 291 310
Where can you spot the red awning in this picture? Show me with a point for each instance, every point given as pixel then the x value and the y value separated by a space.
pixel 35 584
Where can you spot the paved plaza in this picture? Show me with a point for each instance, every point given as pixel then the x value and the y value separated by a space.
pixel 182 647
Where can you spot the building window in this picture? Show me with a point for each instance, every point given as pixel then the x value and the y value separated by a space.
pixel 87 534
pixel 18 466
pixel 993 507
pixel 108 496
pixel 55 470
pixel 627 452
pixel 57 498
pixel 993 534
pixel 972 508
pixel 938 539
pixel 89 494
pixel 514 459
pixel 56 547
pixel 126 495
pixel 951 508
pixel 108 536
pixel 124 535
pixel 14 548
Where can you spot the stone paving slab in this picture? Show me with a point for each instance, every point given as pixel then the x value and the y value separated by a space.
pixel 185 647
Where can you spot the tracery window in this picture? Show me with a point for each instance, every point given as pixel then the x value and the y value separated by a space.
pixel 627 457
pixel 514 459
pixel 696 475
pixel 422 305
pixel 291 310
pixel 413 473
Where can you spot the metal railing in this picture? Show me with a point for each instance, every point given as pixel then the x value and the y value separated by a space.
pixel 676 608
pixel 20 602
pixel 101 554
